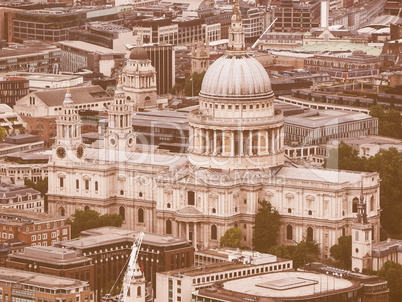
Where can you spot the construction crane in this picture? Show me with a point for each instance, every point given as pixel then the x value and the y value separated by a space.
pixel 130 267
pixel 256 42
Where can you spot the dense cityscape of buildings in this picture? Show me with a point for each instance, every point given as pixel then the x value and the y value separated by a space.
pixel 181 117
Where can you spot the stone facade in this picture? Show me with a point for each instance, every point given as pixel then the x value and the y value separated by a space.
pixel 236 158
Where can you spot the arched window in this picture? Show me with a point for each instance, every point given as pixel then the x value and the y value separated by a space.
pixel 310 235
pixel 289 232
pixel 122 212
pixel 168 227
pixel 77 184
pixel 141 215
pixel 138 291
pixel 62 212
pixel 86 208
pixel 354 205
pixel 214 232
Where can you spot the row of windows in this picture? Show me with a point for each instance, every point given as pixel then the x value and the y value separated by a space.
pixel 237 107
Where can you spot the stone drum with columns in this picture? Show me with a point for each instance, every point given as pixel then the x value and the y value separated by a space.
pixel 236 125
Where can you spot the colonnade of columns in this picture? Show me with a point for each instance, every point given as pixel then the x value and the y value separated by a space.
pixel 185 227
pixel 235 142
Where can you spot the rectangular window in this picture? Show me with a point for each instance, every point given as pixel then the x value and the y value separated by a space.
pixel 86 184
pixel 61 182
pixel 191 198
pixel 44 236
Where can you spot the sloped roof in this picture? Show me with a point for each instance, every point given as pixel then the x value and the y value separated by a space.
pixel 79 95
pixel 189 210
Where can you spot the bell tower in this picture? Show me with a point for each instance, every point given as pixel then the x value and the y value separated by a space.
pixel 199 57
pixel 139 79
pixel 361 238
pixel 120 134
pixel 68 145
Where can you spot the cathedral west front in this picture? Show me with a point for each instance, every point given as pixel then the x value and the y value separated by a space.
pixel 236 158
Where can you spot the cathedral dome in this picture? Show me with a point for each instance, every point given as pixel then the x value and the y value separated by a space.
pixel 236 76
pixel 138 53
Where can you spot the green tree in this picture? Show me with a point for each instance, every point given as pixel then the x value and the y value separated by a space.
pixel 342 252
pixel 3 133
pixel 282 251
pixel 392 272
pixel 301 254
pixel 266 228
pixel 388 163
pixel 345 158
pixel 177 89
pixel 89 219
pixel 192 85
pixel 389 122
pixel 232 238
pixel 305 252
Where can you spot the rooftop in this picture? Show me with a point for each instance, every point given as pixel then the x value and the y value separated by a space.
pixel 324 118
pixel 18 217
pixel 36 279
pixel 36 76
pixel 89 47
pixel 80 95
pixel 108 235
pixel 288 284
pixel 50 254
pixel 339 47
pixel 34 49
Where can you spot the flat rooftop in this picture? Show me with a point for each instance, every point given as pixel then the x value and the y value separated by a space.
pixel 108 235
pixel 288 284
pixel 44 77
pixel 90 47
pixel 325 118
pixel 36 279
pixel 16 216
pixel 50 254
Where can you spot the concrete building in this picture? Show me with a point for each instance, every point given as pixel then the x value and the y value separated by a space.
pixel 77 55
pixel 105 34
pixel 32 287
pixel 31 56
pixel 388 250
pixel 318 127
pixel 54 24
pixel 41 80
pixel 24 164
pixel 177 285
pixel 295 286
pixel 110 247
pixel 33 228
pixel 22 198
pixel 298 16
pixel 53 261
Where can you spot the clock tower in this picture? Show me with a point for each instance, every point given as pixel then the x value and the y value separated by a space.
pixel 361 238
pixel 68 145
pixel 120 135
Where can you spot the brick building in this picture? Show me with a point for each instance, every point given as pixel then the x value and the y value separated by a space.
pixel 33 228
pixel 110 247
pixel 12 89
pixel 53 261
pixel 16 285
